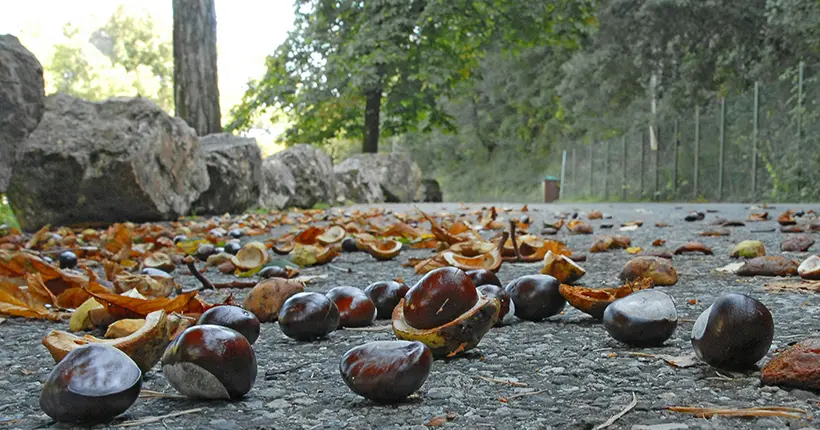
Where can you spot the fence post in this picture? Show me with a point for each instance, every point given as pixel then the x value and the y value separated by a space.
pixel 563 174
pixel 606 171
pixel 755 131
pixel 803 167
pixel 643 162
pixel 657 163
pixel 623 167
pixel 675 169
pixel 591 148
pixel 697 152
pixel 722 139
pixel 574 181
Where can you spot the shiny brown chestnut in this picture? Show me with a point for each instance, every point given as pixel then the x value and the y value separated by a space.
pixel 308 316
pixel 734 333
pixel 210 361
pixel 386 371
pixel 536 297
pixel 92 384
pixel 644 318
pixel 233 317
pixel 273 272
pixel 439 297
pixel 355 308
pixel 386 295
pixel 484 277
pixel 494 291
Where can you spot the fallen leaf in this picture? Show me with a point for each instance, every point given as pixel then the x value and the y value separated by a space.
pixel 658 242
pixel 21 302
pixel 130 307
pixel 794 287
pixel 634 250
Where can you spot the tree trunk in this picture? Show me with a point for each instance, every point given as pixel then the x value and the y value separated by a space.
pixel 372 110
pixel 196 93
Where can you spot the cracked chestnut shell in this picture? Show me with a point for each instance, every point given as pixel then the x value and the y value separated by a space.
pixel 210 361
pixel 439 297
pixel 484 277
pixel 495 292
pixel 536 297
pixel 355 308
pixel 386 295
pixel 233 317
pixel 92 384
pixel 643 318
pixel 308 316
pixel 734 333
pixel 386 371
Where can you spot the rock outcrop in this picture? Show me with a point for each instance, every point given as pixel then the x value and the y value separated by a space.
pixel 398 175
pixel 116 160
pixel 278 184
pixel 235 172
pixel 429 192
pixel 357 182
pixel 22 100
pixel 312 170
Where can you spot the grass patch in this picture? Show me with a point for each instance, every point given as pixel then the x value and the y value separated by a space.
pixel 6 214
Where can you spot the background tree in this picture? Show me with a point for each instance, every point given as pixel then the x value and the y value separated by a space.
pixel 196 93
pixel 363 70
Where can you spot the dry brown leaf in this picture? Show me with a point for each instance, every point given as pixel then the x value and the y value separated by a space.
pixel 21 302
pixel 118 242
pixel 658 242
pixel 794 287
pixel 309 236
pixel 129 307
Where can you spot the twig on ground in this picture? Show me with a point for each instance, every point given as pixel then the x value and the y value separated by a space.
pixel 339 268
pixel 235 284
pixel 151 394
pixel 150 420
pixel 763 411
pixel 529 393
pixel 501 381
pixel 618 416
pixel 206 284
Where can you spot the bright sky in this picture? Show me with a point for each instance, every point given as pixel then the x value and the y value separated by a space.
pixel 247 30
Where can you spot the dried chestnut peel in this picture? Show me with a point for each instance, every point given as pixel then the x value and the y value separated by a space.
pixel 93 384
pixel 658 269
pixel 594 301
pixel 810 268
pixel 386 371
pixel 445 312
pixel 562 268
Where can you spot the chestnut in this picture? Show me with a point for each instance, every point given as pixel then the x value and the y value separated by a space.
pixel 232 247
pixel 386 371
pixel 536 297
pixel 386 295
pixel 93 384
pixel 734 333
pixel 233 317
pixel 204 251
pixel 210 361
pixel 273 272
pixel 496 292
pixel 355 308
pixel 349 245
pixel 439 297
pixel 644 318
pixel 68 260
pixel 308 316
pixel 484 277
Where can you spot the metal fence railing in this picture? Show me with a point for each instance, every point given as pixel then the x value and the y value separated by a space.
pixel 763 144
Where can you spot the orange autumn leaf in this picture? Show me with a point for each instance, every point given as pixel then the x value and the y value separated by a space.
pixel 19 264
pixel 130 307
pixel 309 236
pixel 429 243
pixel 37 288
pixel 442 234
pixel 118 241
pixel 401 229
pixel 21 302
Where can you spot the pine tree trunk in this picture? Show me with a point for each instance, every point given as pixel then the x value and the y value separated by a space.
pixel 196 93
pixel 372 110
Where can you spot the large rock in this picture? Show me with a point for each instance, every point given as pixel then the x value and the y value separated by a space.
pixel 22 99
pixel 235 172
pixel 357 182
pixel 312 170
pixel 278 184
pixel 429 192
pixel 398 175
pixel 116 160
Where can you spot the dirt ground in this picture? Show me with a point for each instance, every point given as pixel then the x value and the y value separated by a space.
pixel 576 376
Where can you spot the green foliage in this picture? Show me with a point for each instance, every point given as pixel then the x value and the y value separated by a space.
pixel 414 53
pixel 7 217
pixel 123 57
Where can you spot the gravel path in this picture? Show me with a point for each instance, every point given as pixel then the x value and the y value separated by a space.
pixel 576 376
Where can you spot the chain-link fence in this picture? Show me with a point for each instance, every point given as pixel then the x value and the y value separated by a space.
pixel 763 144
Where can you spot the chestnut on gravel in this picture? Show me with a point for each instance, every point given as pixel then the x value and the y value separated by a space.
pixel 210 361
pixel 484 277
pixel 355 308
pixel 445 312
pixel 643 318
pixel 233 317
pixel 386 371
pixel 536 297
pixel 386 295
pixel 308 316
pixel 734 333
pixel 93 384
pixel 496 292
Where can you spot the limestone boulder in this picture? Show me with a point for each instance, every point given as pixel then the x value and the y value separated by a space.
pixel 312 171
pixel 235 172
pixel 429 192
pixel 398 175
pixel 123 159
pixel 357 182
pixel 22 100
pixel 278 184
